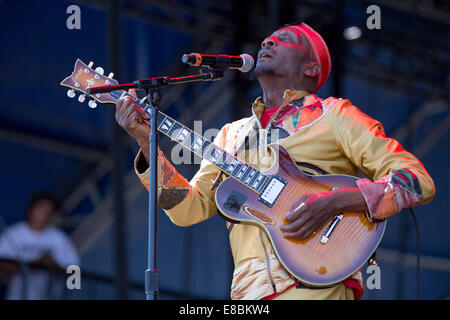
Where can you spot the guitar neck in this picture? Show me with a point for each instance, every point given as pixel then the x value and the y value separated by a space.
pixel 196 143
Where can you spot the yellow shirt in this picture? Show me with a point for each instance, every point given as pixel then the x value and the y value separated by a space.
pixel 331 135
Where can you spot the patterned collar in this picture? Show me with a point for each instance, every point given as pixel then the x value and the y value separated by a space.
pixel 288 106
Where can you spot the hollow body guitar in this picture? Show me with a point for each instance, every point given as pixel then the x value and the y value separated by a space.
pixel 339 248
pixel 263 198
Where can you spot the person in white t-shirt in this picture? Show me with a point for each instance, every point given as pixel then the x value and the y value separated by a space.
pixel 36 242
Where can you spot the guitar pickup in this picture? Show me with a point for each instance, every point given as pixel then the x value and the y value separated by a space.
pixel 272 190
pixel 326 235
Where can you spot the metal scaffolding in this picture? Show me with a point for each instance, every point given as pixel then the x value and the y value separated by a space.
pixel 241 25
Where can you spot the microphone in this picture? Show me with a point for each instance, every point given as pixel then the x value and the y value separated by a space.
pixel 243 63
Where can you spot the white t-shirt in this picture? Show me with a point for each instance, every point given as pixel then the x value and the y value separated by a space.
pixel 21 243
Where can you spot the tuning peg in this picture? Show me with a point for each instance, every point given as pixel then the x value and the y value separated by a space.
pixel 90 64
pixel 81 98
pixel 99 70
pixel 71 93
pixel 111 75
pixel 92 104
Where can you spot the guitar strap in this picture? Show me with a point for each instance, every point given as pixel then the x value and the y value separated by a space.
pixel 245 131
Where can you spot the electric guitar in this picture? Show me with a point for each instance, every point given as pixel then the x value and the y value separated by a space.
pixel 262 198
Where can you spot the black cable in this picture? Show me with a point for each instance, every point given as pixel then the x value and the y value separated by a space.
pixel 416 226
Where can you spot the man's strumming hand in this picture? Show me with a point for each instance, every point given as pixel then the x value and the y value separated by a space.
pixel 311 211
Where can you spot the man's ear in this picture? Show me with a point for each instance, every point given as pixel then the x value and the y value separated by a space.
pixel 312 69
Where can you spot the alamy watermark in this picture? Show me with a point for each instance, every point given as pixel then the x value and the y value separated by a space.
pixel 253 146
pixel 374 20
pixel 74 279
pixel 374 280
pixel 74 20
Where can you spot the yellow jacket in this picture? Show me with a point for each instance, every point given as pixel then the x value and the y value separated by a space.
pixel 322 135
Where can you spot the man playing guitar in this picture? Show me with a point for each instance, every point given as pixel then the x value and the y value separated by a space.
pixel 322 135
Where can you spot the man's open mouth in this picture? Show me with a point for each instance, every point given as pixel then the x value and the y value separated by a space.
pixel 264 55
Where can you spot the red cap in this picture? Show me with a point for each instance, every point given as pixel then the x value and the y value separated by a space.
pixel 320 50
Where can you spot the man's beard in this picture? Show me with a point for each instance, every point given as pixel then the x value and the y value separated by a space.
pixel 264 71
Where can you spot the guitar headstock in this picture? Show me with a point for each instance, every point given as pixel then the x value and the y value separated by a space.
pixel 84 77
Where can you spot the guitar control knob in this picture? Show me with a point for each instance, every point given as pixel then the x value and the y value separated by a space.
pixel 71 93
pixel 81 98
pixel 99 70
pixel 92 104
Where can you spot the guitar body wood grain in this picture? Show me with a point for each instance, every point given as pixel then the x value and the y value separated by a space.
pixel 352 242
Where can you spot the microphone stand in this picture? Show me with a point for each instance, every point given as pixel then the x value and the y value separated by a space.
pixel 152 273
pixel 152 86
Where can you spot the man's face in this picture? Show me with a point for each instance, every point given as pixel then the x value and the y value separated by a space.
pixel 283 53
pixel 41 214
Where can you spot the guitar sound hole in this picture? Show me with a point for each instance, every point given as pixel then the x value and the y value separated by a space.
pixel 264 218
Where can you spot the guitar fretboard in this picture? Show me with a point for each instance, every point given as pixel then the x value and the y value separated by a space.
pixel 228 163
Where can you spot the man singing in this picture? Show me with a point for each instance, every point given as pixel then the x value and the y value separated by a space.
pixel 322 135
